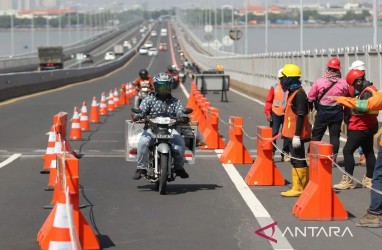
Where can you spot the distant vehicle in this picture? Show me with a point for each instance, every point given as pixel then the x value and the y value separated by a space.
pixel 127 44
pixel 148 44
pixel 51 58
pixel 87 58
pixel 152 52
pixel 109 56
pixel 134 40
pixel 154 33
pixel 118 49
pixel 143 50
pixel 163 32
pixel 163 46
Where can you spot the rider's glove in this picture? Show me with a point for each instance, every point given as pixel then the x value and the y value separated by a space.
pixel 184 119
pixel 137 118
pixel 296 142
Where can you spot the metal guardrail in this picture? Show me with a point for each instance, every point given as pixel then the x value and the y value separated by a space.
pixel 30 62
pixel 260 70
pixel 18 84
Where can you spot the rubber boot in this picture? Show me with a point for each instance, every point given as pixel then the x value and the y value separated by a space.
pixel 299 182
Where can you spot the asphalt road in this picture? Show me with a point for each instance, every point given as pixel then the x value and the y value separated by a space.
pixel 207 211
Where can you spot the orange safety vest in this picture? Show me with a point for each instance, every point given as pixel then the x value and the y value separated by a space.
pixel 290 121
pixel 279 100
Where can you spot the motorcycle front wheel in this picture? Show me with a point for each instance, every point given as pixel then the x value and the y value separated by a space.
pixel 163 172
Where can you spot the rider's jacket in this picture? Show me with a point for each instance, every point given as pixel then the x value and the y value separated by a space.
pixel 152 106
pixel 138 83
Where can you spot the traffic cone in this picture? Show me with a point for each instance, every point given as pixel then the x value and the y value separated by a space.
pixel 53 164
pixel 84 120
pixel 103 106
pixel 116 98
pixel 110 101
pixel 49 154
pixel 128 93
pixel 75 132
pixel 94 112
pixel 122 97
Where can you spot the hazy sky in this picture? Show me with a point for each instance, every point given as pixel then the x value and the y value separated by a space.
pixel 153 4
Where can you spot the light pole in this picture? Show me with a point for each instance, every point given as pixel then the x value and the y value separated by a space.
pixel 78 25
pixel 301 27
pixel 47 30
pixel 266 26
pixel 59 29
pixel 12 37
pixel 375 24
pixel 70 27
pixel 246 27
pixel 32 32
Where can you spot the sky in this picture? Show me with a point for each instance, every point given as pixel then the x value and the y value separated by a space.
pixel 154 4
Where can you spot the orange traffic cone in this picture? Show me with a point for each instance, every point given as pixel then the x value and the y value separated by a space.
pixel 49 154
pixel 122 97
pixel 94 112
pixel 75 132
pixel 53 164
pixel 110 101
pixel 84 120
pixel 103 106
pixel 128 93
pixel 116 99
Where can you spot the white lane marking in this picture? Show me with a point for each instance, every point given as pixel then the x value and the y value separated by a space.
pixel 9 160
pixel 258 210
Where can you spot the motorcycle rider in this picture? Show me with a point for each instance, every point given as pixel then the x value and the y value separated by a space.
pixel 173 72
pixel 160 103
pixel 144 80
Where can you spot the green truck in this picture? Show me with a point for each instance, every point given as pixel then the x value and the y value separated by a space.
pixel 51 57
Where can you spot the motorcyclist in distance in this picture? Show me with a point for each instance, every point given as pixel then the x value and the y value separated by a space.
pixel 144 85
pixel 173 72
pixel 161 103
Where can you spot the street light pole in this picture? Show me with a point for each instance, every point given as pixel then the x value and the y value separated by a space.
pixel 246 27
pixel 32 33
pixel 266 26
pixel 375 24
pixel 301 27
pixel 12 37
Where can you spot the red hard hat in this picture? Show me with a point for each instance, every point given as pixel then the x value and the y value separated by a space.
pixel 334 63
pixel 354 74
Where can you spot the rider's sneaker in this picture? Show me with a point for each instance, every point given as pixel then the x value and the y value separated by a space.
pixel 138 173
pixel 181 173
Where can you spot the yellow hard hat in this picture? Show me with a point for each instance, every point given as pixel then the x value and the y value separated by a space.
pixel 291 70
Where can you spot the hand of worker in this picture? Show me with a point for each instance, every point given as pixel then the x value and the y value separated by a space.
pixel 269 118
pixel 296 142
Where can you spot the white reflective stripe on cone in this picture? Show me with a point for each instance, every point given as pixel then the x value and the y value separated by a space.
pixel 76 125
pixel 61 219
pixel 60 245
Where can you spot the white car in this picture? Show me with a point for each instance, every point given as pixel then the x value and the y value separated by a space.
pixel 154 33
pixel 148 44
pixel 143 50
pixel 109 56
pixel 152 52
pixel 127 44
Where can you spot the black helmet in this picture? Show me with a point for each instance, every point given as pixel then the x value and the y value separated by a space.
pixel 143 74
pixel 163 84
pixel 171 69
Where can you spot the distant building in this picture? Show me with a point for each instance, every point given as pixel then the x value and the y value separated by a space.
pixel 6 5
pixel 49 3
pixel 46 13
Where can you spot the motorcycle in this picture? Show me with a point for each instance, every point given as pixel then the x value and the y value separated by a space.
pixel 161 167
pixel 142 93
pixel 182 75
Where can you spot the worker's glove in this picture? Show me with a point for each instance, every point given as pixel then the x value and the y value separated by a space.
pixel 296 142
pixel 184 119
pixel 269 118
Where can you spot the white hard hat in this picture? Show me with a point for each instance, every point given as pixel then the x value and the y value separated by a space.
pixel 357 65
pixel 280 73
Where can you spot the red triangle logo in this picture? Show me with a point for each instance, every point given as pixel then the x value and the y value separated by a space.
pixel 260 232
